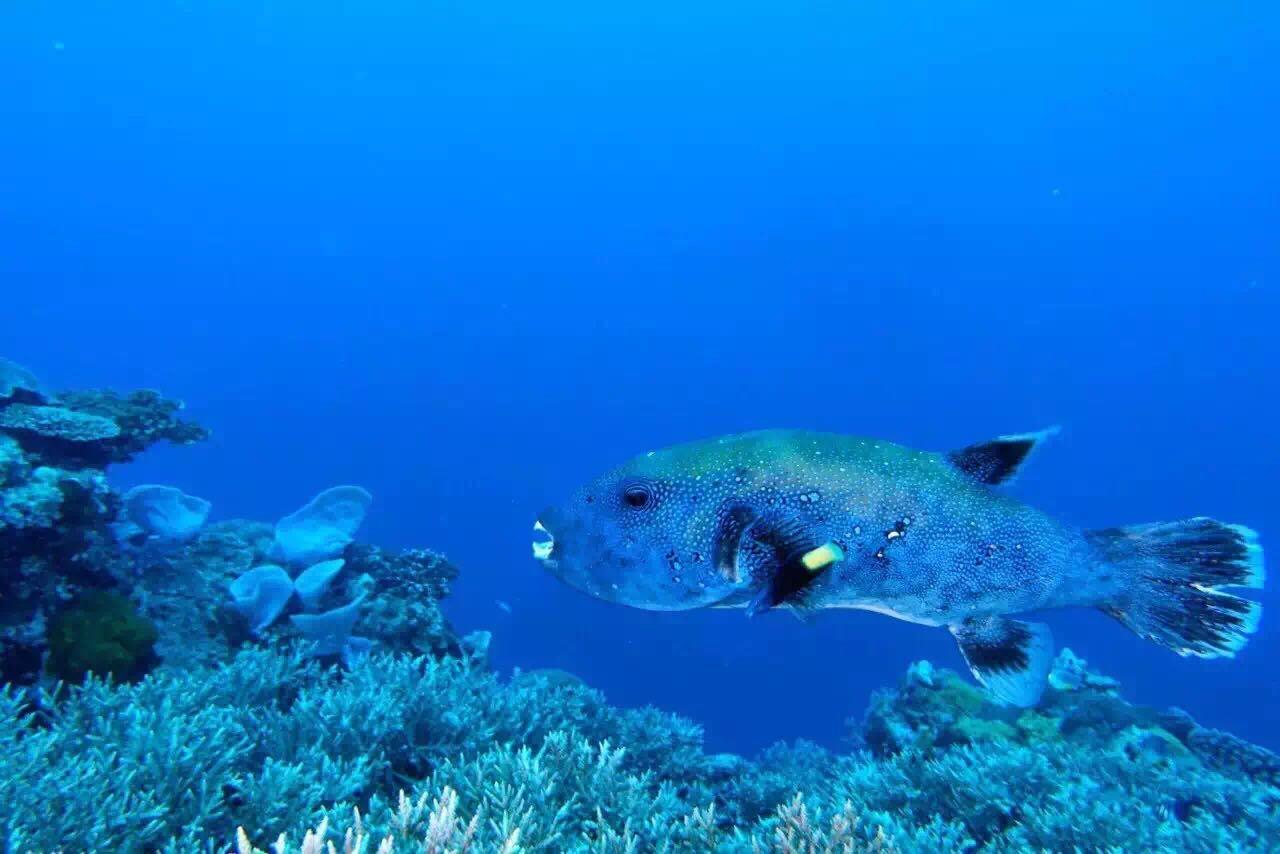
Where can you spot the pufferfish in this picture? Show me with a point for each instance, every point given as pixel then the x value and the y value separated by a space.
pixel 813 521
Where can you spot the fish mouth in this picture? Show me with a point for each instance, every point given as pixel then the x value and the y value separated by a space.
pixel 544 544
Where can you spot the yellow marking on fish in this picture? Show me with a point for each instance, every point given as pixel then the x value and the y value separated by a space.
pixel 822 557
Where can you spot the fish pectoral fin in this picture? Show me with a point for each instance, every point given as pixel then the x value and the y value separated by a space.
pixel 800 608
pixel 734 522
pixel 998 460
pixel 1011 658
pixel 799 557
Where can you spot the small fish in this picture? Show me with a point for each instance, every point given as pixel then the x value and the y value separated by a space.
pixel 504 607
pixel 811 521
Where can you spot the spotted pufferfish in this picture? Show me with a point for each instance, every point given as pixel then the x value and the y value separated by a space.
pixel 813 521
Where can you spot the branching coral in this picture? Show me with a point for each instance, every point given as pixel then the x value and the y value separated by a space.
pixel 272 744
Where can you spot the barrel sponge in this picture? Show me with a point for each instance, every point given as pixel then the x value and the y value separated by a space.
pixel 101 633
pixel 165 511
pixel 312 583
pixel 261 594
pixel 324 527
pixel 55 422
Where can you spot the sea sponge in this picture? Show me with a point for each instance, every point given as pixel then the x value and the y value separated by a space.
pixel 324 527
pixel 101 633
pixel 261 594
pixel 165 511
pixel 312 583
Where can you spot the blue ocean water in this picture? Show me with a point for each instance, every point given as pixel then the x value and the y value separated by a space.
pixel 469 255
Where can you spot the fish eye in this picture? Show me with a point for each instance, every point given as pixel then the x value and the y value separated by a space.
pixel 637 496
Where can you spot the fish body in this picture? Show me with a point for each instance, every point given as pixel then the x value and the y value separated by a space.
pixel 814 521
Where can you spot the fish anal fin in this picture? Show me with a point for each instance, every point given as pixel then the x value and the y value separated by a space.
pixel 998 460
pixel 1010 658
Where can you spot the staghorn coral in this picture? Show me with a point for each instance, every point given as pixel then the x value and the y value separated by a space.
pixel 272 743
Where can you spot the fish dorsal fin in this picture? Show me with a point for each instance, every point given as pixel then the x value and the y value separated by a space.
pixel 998 460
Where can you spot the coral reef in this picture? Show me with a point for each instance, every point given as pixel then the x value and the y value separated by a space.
pixel 224 700
pixel 144 418
pixel 59 516
pixel 274 742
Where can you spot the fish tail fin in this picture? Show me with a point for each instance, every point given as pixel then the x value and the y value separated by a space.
pixel 1170 575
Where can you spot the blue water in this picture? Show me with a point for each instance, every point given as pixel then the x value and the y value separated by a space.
pixel 467 255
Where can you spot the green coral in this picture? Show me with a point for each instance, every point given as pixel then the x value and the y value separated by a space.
pixel 1034 727
pixel 975 730
pixel 101 633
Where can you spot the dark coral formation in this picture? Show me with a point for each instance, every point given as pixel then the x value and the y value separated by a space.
pixel 405 614
pixel 101 633
pixel 142 419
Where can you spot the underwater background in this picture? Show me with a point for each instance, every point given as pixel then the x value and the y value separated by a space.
pixel 468 255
